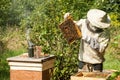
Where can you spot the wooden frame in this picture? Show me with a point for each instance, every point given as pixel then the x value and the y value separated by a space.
pixel 70 30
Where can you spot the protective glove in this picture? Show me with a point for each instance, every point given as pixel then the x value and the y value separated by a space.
pixel 67 16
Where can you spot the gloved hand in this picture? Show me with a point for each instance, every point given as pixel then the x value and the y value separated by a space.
pixel 67 16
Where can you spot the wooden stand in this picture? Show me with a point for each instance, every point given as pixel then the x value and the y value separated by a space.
pixel 25 68
pixel 91 76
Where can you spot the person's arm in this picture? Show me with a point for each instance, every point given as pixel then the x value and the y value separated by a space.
pixel 79 23
pixel 103 41
pixel 99 44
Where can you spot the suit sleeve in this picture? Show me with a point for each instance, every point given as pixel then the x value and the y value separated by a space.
pixel 79 23
pixel 104 39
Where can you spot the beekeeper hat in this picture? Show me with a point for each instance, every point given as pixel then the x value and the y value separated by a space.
pixel 98 18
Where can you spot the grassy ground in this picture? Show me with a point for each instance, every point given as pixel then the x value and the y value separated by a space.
pixel 112 62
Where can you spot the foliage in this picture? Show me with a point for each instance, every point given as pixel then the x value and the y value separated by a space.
pixel 114 76
pixel 107 5
pixel 4 8
pixel 10 40
pixel 4 68
pixel 115 19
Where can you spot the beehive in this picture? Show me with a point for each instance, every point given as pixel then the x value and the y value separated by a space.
pixel 26 68
pixel 90 76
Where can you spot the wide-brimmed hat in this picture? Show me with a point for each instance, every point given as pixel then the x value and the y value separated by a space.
pixel 98 18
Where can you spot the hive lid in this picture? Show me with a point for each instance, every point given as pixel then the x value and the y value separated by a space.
pixel 28 59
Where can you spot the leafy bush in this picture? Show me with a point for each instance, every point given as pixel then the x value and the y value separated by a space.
pixel 114 76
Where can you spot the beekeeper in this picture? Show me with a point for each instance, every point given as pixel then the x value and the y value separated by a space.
pixel 94 41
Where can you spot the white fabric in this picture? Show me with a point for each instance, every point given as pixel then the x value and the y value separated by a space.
pixel 90 54
pixel 98 18
pixel 66 15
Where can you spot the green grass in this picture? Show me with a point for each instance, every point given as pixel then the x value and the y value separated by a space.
pixel 112 62
pixel 4 68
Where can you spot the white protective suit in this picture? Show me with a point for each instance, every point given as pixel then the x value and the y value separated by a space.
pixel 93 42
